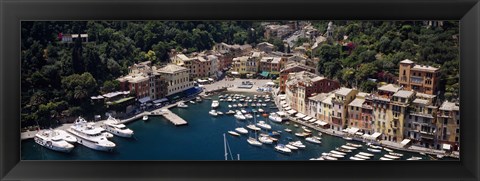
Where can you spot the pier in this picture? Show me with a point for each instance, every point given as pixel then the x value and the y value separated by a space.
pixel 173 118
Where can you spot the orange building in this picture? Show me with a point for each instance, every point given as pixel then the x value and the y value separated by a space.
pixel 420 78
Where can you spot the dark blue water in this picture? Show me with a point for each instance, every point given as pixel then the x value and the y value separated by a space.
pixel 201 139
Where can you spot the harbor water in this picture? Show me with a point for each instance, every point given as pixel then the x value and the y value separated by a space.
pixel 201 139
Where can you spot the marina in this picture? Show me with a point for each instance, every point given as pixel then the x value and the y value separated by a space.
pixel 154 138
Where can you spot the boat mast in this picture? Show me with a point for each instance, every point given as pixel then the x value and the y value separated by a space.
pixel 238 156
pixel 225 146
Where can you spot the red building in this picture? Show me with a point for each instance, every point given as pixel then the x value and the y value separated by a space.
pixel 292 68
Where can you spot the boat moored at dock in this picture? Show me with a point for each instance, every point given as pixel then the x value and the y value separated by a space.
pixel 90 136
pixel 114 126
pixel 53 140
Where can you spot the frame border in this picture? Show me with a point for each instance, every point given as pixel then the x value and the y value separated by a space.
pixel 12 12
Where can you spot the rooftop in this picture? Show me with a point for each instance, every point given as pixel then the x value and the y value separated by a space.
pixel 449 106
pixel 423 95
pixel 328 99
pixel 407 61
pixel 319 97
pixel 343 91
pixel 403 94
pixel 421 101
pixel 390 88
pixel 295 64
pixel 425 68
pixel 171 68
pixel 357 102
pixel 265 43
pixel 303 77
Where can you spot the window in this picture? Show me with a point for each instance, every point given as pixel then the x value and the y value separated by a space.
pixel 457 130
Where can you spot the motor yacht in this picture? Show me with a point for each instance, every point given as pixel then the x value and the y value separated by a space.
pixel 53 140
pixel 90 136
pixel 114 126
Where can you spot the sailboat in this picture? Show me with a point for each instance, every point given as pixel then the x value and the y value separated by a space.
pixel 254 141
pixel 226 145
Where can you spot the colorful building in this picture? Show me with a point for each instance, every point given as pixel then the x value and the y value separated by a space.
pixel 420 78
pixel 291 68
pixel 343 97
pixel 449 126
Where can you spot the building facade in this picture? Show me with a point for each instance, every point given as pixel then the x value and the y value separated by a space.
pixel 291 68
pixel 177 78
pixel 420 78
pixel 145 81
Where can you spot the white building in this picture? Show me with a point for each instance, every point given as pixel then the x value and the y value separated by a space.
pixel 177 78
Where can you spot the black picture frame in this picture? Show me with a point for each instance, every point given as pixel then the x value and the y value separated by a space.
pixel 12 12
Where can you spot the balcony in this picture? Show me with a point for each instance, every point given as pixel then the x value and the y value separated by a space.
pixel 416 80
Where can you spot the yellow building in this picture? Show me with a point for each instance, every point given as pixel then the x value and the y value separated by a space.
pixel 395 125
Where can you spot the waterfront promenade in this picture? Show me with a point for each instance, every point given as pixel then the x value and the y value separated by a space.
pixel 384 143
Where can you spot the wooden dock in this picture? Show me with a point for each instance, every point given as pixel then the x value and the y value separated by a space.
pixel 172 117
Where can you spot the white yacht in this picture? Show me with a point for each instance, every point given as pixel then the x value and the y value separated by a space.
pixel 248 116
pixel 374 150
pixel 253 127
pixel 241 130
pixel 66 136
pixel 337 152
pixel 230 112
pixel 282 148
pixel 265 140
pixel 348 147
pixel 145 117
pixel 240 116
pixel 355 158
pixel 313 140
pixel 275 118
pixel 90 136
pixel 362 156
pixel 365 154
pixel 213 112
pixel 264 125
pixel 414 158
pixel 391 156
pixel 291 147
pixel 52 140
pixel 254 142
pixel 297 144
pixel 354 145
pixel 215 104
pixel 114 126
pixel 182 105
pixel 233 133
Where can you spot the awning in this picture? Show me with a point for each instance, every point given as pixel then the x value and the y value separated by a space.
pixel 282 97
pixel 375 135
pixel 353 130
pixel 144 100
pixel 307 118
pixel 291 112
pixel 446 146
pixel 201 81
pixel 300 115
pixel 312 120
pixel 192 91
pixel 359 133
pixel 405 141
pixel 285 105
pixel 321 123
pixel 281 113
pixel 210 79
pixel 265 73
pixel 160 100
pixel 235 73
pixel 283 102
pixel 270 83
